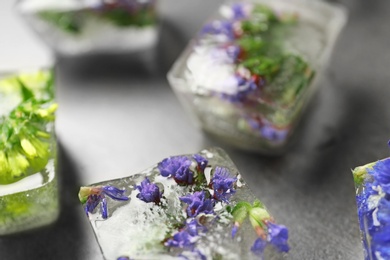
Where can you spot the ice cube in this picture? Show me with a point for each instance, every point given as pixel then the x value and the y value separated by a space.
pixel 192 206
pixel 73 27
pixel 373 203
pixel 248 75
pixel 28 182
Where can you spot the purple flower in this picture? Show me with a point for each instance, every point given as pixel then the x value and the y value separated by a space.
pixel 177 167
pixel 194 228
pixel 267 130
pixel 93 196
pixel 238 11
pixel 123 258
pixel 187 236
pixel 364 212
pixel 384 211
pixel 278 236
pixel 233 52
pixel 222 184
pixel 244 88
pixel 381 173
pixel 224 28
pixel 148 192
pixel 201 162
pixel 380 243
pixel 182 239
pixel 197 203
pixel 259 246
pixel 193 254
pixel 235 229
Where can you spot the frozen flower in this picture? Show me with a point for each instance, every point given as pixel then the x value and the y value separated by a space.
pixel 187 236
pixel 381 173
pixel 239 11
pixel 223 28
pixel 236 11
pixel 123 258
pixel 278 236
pixel 259 246
pixel 243 87
pixel 267 130
pixel 380 243
pixel 365 213
pixel 235 228
pixel 182 239
pixel 148 192
pixel 194 228
pixel 222 184
pixel 201 162
pixel 93 196
pixel 197 203
pixel 177 167
pixel 193 254
pixel 233 52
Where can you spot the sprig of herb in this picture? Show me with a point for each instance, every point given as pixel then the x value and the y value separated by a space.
pixel 24 137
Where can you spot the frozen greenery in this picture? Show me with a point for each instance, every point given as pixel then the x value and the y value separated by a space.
pixel 28 188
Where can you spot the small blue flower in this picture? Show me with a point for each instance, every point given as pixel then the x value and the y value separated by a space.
pixel 384 211
pixel 380 241
pixel 177 167
pixel 224 28
pixel 92 202
pixel 223 186
pixel 259 246
pixel 381 173
pixel 194 228
pixel 233 52
pixel 278 236
pixel 198 203
pixel 201 162
pixel 267 130
pixel 182 239
pixel 187 236
pixel 123 258
pixel 244 88
pixel 93 196
pixel 235 228
pixel 364 212
pixel 238 11
pixel 148 192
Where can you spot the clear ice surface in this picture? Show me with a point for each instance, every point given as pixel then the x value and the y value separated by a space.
pixel 138 230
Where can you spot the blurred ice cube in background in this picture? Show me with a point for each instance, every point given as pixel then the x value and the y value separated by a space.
pixel 19 47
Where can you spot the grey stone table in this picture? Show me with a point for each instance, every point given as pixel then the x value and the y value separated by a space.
pixel 117 118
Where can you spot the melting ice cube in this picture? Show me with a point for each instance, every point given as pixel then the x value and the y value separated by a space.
pixel 191 206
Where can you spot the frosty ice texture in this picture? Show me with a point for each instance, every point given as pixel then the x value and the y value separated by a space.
pixel 28 192
pixel 73 27
pixel 234 94
pixel 29 203
pixel 159 230
pixel 372 197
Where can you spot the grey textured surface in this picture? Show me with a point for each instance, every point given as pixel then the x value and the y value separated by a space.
pixel 117 118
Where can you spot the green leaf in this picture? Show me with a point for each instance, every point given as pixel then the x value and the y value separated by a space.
pixel 69 22
pixel 360 173
pixel 26 93
pixel 240 211
pixel 258 204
